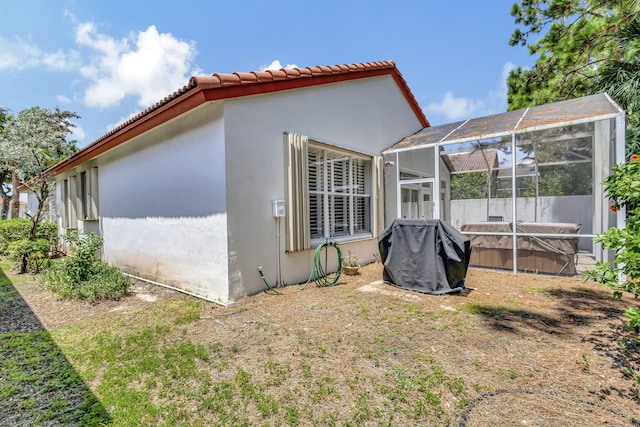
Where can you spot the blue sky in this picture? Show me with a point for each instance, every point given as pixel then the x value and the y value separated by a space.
pixel 109 60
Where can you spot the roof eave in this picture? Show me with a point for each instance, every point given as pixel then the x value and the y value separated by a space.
pixel 202 89
pixel 162 114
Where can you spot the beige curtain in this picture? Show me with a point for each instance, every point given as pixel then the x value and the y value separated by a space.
pixel 297 198
pixel 378 196
pixel 72 202
pixel 92 196
pixel 64 208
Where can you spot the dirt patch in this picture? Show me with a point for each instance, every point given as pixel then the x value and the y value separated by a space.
pixel 53 312
pixel 529 349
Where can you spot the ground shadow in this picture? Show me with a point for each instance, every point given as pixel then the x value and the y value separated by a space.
pixel 38 386
pixel 574 312
pixel 574 308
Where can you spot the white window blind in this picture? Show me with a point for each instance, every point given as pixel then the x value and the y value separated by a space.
pixel 340 193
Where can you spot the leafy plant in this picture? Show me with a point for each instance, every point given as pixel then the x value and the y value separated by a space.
pixel 83 275
pixel 12 230
pixel 351 260
pixel 35 252
pixel 15 243
pixel 622 275
pixel 634 315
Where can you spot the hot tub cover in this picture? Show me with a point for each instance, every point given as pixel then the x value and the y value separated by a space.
pixel 428 256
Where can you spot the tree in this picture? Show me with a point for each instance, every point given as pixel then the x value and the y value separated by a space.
pixel 32 142
pixel 469 185
pixel 583 47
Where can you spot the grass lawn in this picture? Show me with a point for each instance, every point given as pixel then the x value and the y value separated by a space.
pixel 542 350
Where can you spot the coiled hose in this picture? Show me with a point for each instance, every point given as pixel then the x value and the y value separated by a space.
pixel 318 274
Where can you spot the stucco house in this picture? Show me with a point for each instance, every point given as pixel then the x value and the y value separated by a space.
pixel 237 171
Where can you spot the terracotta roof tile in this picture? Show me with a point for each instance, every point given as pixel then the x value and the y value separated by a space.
pixel 246 77
pixel 278 74
pixel 228 79
pixel 292 72
pixel 224 86
pixel 263 76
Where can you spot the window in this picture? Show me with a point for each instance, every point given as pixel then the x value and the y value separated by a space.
pixel 331 193
pixel 79 195
pixel 339 193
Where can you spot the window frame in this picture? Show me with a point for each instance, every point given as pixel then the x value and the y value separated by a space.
pixel 329 191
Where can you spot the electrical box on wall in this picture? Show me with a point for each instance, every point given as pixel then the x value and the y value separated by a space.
pixel 277 208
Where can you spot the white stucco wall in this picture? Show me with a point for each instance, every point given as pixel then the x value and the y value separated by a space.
pixel 162 204
pixel 365 115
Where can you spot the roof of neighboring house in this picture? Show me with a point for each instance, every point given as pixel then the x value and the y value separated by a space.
pixel 22 202
pixel 476 161
pixel 201 89
pixel 573 111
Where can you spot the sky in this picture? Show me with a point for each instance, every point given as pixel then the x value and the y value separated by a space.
pixel 109 60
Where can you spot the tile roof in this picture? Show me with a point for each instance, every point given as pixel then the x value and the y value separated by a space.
pixel 202 89
pixel 475 161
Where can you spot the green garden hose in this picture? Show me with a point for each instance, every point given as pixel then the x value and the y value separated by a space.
pixel 318 274
pixel 269 287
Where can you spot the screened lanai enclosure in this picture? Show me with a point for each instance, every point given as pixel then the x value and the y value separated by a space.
pixel 525 185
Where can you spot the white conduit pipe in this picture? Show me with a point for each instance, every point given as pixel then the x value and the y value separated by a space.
pixel 174 289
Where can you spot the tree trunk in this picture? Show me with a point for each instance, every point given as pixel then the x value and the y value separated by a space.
pixel 4 213
pixel 15 199
pixel 42 192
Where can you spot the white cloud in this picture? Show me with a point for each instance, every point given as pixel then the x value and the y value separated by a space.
pixel 63 99
pixel 77 133
pixel 455 108
pixel 148 65
pixel 18 54
pixel 276 65
pixel 499 96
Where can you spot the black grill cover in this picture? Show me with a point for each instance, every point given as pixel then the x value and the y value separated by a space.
pixel 427 256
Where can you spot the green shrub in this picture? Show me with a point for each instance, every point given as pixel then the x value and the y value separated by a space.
pixel 13 230
pixel 35 252
pixel 83 275
pixel 623 188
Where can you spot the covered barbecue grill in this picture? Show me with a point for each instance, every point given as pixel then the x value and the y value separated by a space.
pixel 428 256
